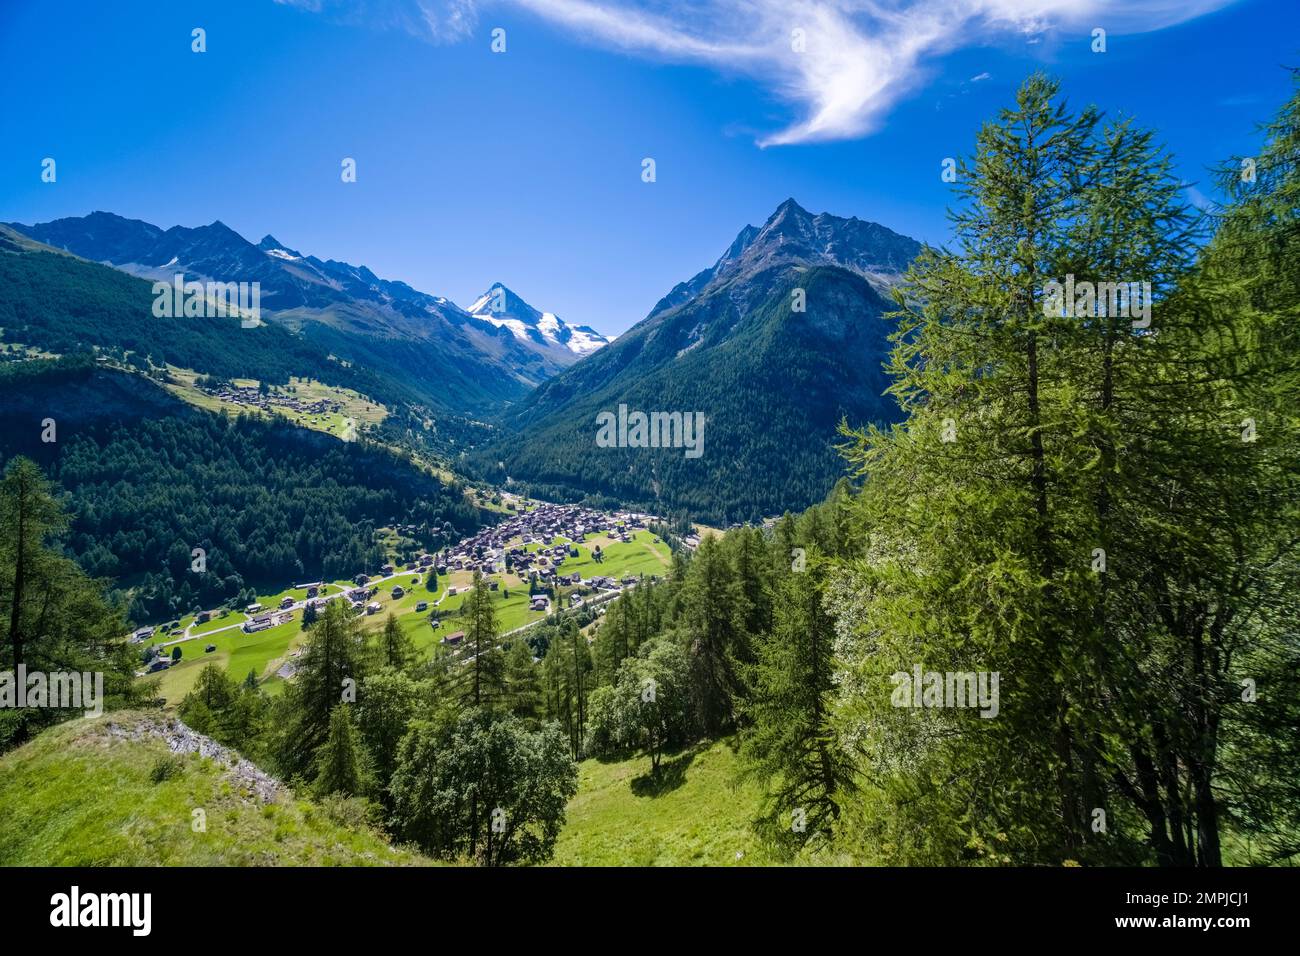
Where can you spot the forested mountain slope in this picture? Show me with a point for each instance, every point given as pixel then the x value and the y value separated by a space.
pixel 776 343
pixel 150 478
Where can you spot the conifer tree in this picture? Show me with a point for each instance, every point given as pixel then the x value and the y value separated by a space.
pixel 52 616
pixel 388 702
pixel 342 765
pixel 394 647
pixel 330 666
pixel 484 684
pixel 711 603
pixel 789 744
pixel 982 507
pixel 523 684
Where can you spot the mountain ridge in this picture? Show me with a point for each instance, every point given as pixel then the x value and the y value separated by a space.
pixel 454 360
pixel 732 334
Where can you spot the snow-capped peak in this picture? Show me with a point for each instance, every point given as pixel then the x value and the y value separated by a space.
pixel 544 331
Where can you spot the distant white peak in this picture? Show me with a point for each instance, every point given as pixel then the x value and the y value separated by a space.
pixel 274 247
pixel 584 342
pixel 502 308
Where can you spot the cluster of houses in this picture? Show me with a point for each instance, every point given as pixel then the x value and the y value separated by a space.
pixel 421 562
pixel 251 396
pixel 549 527
pixel 486 551
pixel 360 598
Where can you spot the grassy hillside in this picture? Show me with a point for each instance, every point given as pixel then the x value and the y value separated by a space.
pixel 694 816
pixel 109 792
pixel 236 651
pixel 287 403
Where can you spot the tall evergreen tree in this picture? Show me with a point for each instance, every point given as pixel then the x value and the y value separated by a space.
pixel 711 600
pixel 484 681
pixel 29 515
pixel 53 618
pixel 523 683
pixel 388 703
pixel 789 743
pixel 1221 742
pixel 394 647
pixel 342 765
pixel 983 506
pixel 331 665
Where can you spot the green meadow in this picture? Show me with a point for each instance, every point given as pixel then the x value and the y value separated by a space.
pixel 264 651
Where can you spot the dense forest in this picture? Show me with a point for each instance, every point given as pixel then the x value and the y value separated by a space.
pixel 149 479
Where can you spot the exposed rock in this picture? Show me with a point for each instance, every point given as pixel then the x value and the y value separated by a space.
pixel 180 739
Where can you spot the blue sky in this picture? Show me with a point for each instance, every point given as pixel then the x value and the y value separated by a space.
pixel 525 167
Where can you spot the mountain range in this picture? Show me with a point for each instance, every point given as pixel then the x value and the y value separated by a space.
pixel 456 360
pixel 778 341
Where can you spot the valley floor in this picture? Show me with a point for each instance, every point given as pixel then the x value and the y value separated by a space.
pixel 265 652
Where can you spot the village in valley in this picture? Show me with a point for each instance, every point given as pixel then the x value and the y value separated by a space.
pixel 540 561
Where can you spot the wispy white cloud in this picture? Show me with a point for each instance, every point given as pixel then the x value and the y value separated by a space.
pixel 841 64
pixel 439 21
